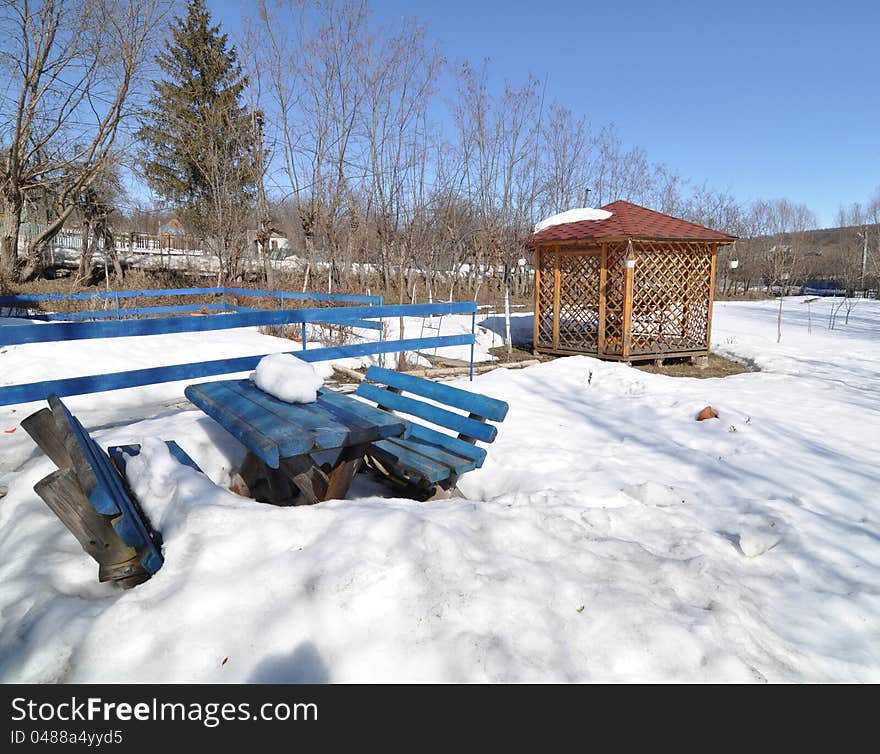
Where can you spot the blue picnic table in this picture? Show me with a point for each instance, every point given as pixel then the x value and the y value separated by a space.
pixel 283 438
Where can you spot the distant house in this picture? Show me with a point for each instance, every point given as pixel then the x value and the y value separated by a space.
pixel 172 227
pixel 279 244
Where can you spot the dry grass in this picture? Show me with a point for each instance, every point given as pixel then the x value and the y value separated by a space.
pixel 719 366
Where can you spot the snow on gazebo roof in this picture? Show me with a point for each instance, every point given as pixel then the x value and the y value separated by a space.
pixel 626 220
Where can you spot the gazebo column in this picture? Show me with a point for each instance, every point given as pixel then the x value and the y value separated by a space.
pixel 711 296
pixel 603 282
pixel 628 274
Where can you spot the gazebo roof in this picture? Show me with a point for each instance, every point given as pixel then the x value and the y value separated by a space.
pixel 630 220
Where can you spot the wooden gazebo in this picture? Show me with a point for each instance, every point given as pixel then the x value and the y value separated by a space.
pixel 637 285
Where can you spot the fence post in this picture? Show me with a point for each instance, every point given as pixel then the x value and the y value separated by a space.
pixel 473 339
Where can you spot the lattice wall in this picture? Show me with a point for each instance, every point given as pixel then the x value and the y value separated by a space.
pixel 669 311
pixel 615 297
pixel 671 297
pixel 579 301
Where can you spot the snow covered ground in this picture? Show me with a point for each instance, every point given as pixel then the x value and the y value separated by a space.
pixel 609 536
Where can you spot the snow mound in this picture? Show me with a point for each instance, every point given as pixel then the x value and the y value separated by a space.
pixel 573 216
pixel 287 378
pixel 756 540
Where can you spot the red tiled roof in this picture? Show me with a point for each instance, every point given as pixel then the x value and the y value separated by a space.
pixel 630 221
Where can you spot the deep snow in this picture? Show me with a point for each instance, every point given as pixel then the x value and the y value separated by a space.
pixel 609 536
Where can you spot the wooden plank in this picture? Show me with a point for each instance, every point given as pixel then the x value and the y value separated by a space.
pixel 536 334
pixel 60 491
pixel 120 454
pixel 132 525
pixel 603 282
pixel 64 331
pixel 454 445
pixel 401 461
pixel 97 383
pixel 263 446
pixel 308 478
pixel 557 283
pixel 458 464
pixel 295 428
pixel 440 416
pixel 711 297
pixel 339 479
pixel 628 274
pixel 281 490
pixel 490 408
pixel 81 458
pixel 350 410
pixel 43 430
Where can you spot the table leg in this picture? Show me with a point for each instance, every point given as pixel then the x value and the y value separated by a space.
pixel 339 479
pixel 307 476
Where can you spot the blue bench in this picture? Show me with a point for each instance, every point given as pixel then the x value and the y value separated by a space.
pixel 89 494
pixel 426 461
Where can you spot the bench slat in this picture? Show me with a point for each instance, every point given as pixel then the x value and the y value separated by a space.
pixel 451 462
pixel 440 416
pixel 122 453
pixel 452 444
pixel 130 525
pixel 474 403
pixel 399 458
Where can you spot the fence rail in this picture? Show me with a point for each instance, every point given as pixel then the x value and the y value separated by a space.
pixel 355 316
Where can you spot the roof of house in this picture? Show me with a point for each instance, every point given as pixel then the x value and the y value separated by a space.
pixel 630 220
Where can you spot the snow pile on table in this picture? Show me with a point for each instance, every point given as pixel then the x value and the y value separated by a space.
pixel 573 216
pixel 287 378
pixel 608 537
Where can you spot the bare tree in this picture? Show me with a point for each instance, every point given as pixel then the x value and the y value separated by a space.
pixel 69 85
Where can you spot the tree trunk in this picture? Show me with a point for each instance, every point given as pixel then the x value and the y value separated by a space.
pixel 36 249
pixel 11 225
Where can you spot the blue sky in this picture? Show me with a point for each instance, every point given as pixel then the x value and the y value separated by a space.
pixel 764 99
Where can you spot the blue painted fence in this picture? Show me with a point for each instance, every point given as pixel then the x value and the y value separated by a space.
pixel 126 328
pixel 353 315
pixel 97 383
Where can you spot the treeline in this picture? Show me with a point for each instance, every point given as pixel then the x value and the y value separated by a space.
pixel 323 125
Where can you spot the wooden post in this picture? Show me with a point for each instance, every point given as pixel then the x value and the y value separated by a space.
pixel 117 561
pixel 711 297
pixel 603 281
pixel 628 273
pixel 557 281
pixel 43 429
pixel 537 320
pixel 339 479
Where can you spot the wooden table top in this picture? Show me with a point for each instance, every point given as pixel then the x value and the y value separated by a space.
pixel 273 429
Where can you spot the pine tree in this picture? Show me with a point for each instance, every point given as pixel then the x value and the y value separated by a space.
pixel 198 145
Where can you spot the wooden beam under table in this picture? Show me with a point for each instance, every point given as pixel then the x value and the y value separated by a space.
pixel 308 477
